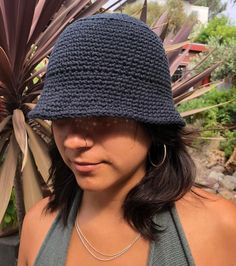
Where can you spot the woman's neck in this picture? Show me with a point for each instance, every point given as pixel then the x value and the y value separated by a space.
pixel 101 205
pixel 108 202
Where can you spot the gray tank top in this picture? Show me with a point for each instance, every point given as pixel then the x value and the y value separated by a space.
pixel 171 248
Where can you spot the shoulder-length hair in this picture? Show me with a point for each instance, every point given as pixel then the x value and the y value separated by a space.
pixel 158 189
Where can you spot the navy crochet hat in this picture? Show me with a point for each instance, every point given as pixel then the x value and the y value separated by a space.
pixel 108 65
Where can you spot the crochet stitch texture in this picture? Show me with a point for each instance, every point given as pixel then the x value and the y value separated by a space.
pixel 108 65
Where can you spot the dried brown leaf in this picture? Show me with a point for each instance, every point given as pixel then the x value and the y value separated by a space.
pixel 113 4
pixel 4 123
pixel 59 23
pixel 30 105
pixel 92 9
pixel 9 12
pixel 160 24
pixel 143 16
pixel 7 174
pixel 198 92
pixel 175 64
pixel 5 69
pixel 174 47
pixel 41 71
pixel 199 110
pixel 181 36
pixel 47 38
pixel 30 183
pixel 24 16
pixel 182 86
pixel 40 153
pixel 3 37
pixel 46 126
pixel 18 121
pixel 4 139
pixel 44 12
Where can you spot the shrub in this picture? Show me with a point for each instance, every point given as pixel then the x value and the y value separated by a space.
pixel 212 123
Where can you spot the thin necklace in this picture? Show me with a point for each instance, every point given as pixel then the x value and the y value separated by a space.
pixel 92 250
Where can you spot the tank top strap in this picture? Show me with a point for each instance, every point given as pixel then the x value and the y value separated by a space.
pixel 171 247
pixel 53 251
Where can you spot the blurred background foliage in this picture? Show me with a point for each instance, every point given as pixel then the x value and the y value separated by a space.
pixel 219 27
pixel 175 8
pixel 224 52
pixel 216 122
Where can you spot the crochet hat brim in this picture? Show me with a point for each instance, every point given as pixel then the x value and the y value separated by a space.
pixel 106 99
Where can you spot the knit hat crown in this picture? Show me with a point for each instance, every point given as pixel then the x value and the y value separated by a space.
pixel 108 65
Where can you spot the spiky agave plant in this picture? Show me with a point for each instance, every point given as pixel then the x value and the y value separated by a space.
pixel 29 29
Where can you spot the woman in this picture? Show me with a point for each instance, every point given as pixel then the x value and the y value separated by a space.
pixel 122 179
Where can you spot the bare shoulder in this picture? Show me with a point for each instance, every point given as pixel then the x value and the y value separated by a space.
pixel 209 218
pixel 210 204
pixel 35 227
pixel 37 212
pixel 37 217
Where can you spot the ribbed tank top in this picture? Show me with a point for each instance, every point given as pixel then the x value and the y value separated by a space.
pixel 171 248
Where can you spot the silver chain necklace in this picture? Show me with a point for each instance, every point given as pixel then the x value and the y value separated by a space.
pixel 92 250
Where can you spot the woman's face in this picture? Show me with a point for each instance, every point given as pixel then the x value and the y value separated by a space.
pixel 103 152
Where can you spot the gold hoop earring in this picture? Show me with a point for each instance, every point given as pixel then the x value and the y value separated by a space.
pixel 164 157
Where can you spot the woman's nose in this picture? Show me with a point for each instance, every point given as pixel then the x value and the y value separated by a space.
pixel 76 141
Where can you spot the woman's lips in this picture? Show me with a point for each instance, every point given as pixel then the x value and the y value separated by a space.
pixel 86 166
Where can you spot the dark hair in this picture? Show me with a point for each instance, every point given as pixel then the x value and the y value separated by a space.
pixel 158 189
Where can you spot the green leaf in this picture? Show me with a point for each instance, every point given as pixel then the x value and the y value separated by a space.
pixel 7 219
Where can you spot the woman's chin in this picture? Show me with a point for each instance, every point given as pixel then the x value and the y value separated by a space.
pixel 90 183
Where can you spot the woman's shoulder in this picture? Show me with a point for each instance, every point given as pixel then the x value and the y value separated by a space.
pixel 37 212
pixel 38 217
pixel 209 222
pixel 210 204
pixel 202 207
pixel 35 226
